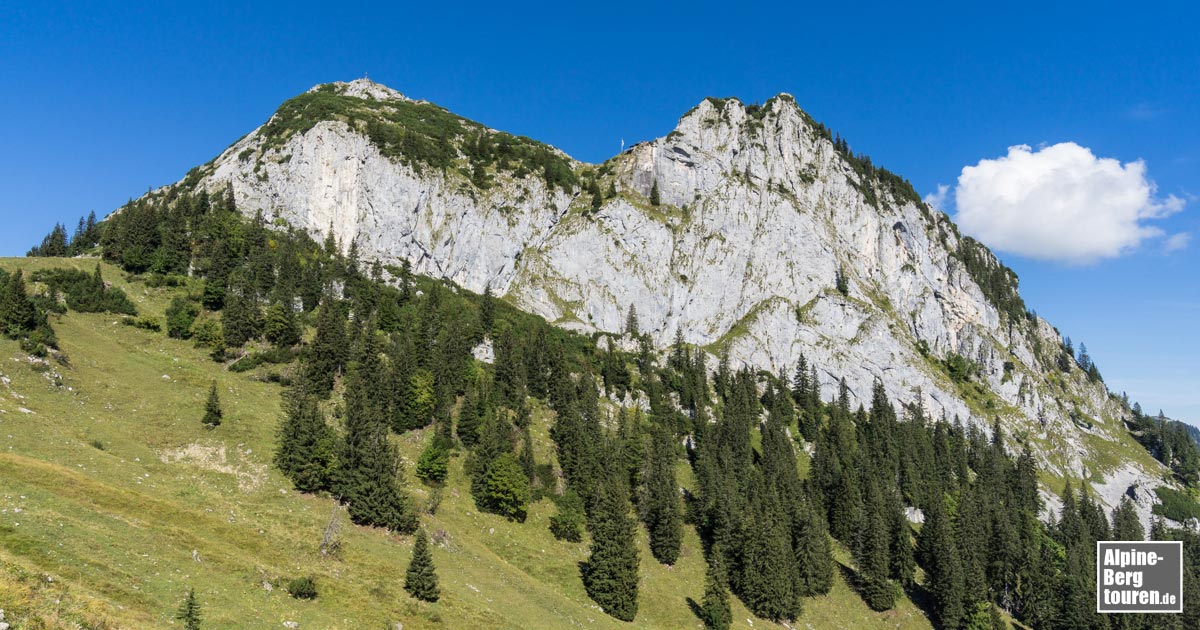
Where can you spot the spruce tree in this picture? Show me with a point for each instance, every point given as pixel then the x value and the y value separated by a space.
pixel 813 551
pixel 433 465
pixel 567 523
pixel 240 319
pixel 307 444
pixel 212 408
pixel 327 355
pixel 661 511
pixel 18 316
pixel 506 488
pixel 1125 522
pixel 369 471
pixel 871 553
pixel 944 576
pixel 610 574
pixel 655 197
pixel 280 327
pixel 631 321
pixel 189 611
pixel 487 310
pixel 714 608
pixel 420 580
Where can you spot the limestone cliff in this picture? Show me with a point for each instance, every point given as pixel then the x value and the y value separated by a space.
pixel 760 211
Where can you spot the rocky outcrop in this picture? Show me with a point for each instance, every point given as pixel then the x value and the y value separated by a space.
pixel 759 212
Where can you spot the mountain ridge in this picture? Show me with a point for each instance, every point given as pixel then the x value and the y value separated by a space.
pixel 932 314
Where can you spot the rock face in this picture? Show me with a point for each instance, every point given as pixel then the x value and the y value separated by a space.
pixel 759 212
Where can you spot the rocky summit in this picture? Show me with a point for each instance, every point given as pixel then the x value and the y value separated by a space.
pixel 750 230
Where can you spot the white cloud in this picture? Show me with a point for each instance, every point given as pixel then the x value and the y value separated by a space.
pixel 1060 202
pixel 937 200
pixel 1176 242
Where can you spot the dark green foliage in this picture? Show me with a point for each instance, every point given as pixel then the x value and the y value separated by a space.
pixel 814 553
pixel 241 320
pixel 420 580
pixel 487 310
pixel 1125 522
pixel 189 611
pixel 369 472
pixel 434 462
pixel 181 314
pixel 841 282
pixel 423 135
pixel 327 355
pixel 212 408
pixel 1169 442
pixel 655 197
pixel 54 244
pixel 85 293
pixel 506 488
pixel 631 321
pixel 959 368
pixel 998 282
pixel 18 315
pixel 280 327
pixel 568 522
pixel 302 588
pixel 307 444
pixel 872 552
pixel 714 608
pixel 660 505
pixel 253 360
pixel 610 574
pixel 1175 505
pixel 941 562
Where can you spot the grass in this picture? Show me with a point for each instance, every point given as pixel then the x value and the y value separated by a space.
pixel 115 537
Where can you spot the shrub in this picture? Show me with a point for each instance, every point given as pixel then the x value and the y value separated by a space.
pixel 1175 505
pixel 302 588
pixel 145 323
pixel 181 314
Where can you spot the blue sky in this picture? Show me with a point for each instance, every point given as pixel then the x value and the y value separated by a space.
pixel 103 101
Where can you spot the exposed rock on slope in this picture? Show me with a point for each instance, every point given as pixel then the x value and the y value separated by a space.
pixel 760 211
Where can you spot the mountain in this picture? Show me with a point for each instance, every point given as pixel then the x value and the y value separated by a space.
pixel 770 239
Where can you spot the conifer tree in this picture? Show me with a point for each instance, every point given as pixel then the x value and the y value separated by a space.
pixel 433 465
pixel 18 315
pixel 369 471
pixel 506 488
pixel 655 197
pixel 940 559
pixel 467 426
pixel 568 522
pixel 814 554
pixel 420 580
pixel 510 370
pixel 631 321
pixel 610 574
pixel 871 553
pixel 487 310
pixel 212 408
pixel 714 608
pixel 661 511
pixel 327 355
pixel 1125 522
pixel 189 611
pixel 280 327
pixel 241 320
pixel 767 581
pixel 307 445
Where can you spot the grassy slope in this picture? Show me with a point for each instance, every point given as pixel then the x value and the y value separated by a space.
pixel 112 534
